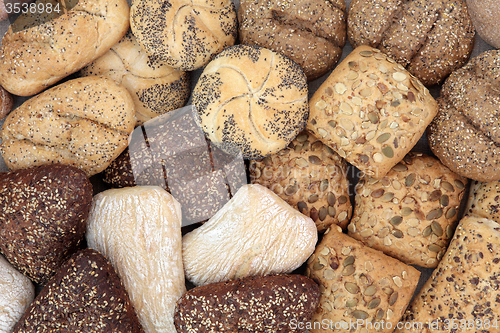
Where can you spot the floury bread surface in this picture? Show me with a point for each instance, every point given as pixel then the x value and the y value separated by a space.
pixel 139 230
pixel 83 122
pixel 255 233
pixel 38 50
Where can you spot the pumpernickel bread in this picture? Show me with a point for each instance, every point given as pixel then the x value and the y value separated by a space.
pixel 46 49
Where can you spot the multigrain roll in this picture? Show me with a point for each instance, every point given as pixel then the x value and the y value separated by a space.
pixel 371 111
pixel 311 33
pixel 83 122
pixel 429 38
pixel 155 87
pixel 411 213
pixel 358 285
pixel 463 291
pixel 37 55
pixel 465 134
pixel 184 34
pixel 311 177
pixel 485 15
pixel 251 100
pixel 285 299
pixel 484 200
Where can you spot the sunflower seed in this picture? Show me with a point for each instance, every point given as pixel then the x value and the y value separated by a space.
pixel 328 274
pixel 352 75
pixel 347 124
pixel 366 92
pixel 378 157
pixel 434 214
pixel 321 104
pixel 322 132
pixel 363 67
pixel 366 53
pixel 324 251
pixel 370 291
pixel 366 233
pixel 351 228
pixel 413 232
pixel 398 76
pixel 344 142
pixel 383 232
pixel 357 101
pixel 340 88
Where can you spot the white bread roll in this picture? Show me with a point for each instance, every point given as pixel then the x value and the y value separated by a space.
pixel 34 58
pixel 139 230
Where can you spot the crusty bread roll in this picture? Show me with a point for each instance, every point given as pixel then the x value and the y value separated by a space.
pixel 462 294
pixel 484 200
pixel 155 87
pixel 371 111
pixel 255 233
pixel 429 38
pixel 34 58
pixel 311 33
pixel 251 100
pixel 16 294
pixel 485 15
pixel 184 34
pixel 465 134
pixel 139 230
pixel 83 122
pixel 6 103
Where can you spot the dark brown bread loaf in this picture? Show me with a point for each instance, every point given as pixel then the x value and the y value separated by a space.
pixel 86 295
pixel 429 38
pixel 310 32
pixel 270 304
pixel 43 213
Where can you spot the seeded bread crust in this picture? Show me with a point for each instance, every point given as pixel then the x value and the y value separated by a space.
pixel 484 200
pixel 6 103
pixel 83 122
pixel 465 134
pixel 311 177
pixel 429 38
pixel 464 286
pixel 485 15
pixel 33 58
pixel 86 295
pixel 251 100
pixel 358 283
pixel 184 34
pixel 411 213
pixel 371 111
pixel 254 304
pixel 43 213
pixel 311 33
pixel 154 87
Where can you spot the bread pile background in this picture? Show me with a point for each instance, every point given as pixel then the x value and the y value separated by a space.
pixel 411 278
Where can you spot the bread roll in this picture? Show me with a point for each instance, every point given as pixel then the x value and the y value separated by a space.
pixel 41 49
pixel 429 38
pixel 139 230
pixel 184 34
pixel 485 15
pixel 6 103
pixel 285 299
pixel 85 295
pixel 255 233
pixel 371 111
pixel 154 87
pixel 461 294
pixel 251 100
pixel 411 213
pixel 83 122
pixel 43 217
pixel 16 294
pixel 309 176
pixel 484 200
pixel 465 134
pixel 358 285
pixel 311 33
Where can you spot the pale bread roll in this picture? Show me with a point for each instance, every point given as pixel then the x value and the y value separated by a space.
pixel 139 230
pixel 34 56
pixel 255 233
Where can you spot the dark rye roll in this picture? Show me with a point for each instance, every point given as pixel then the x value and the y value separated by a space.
pixel 251 100
pixel 429 38
pixel 465 134
pixel 255 304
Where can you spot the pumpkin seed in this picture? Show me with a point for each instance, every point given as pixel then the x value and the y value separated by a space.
pixel 444 200
pixel 312 198
pixel 413 232
pixel 449 231
pixel 396 220
pixel 435 195
pixel 383 232
pixel 447 186
pixel 313 214
pixel 330 198
pixel 291 189
pixel 373 117
pixel 328 274
pixel 332 211
pixel 374 303
pixel 410 179
pixel 387 151
pixel 388 290
pixel 351 287
pixel 302 207
pixel 301 162
pixel 405 211
pixel 298 148
pixel 366 53
pixel 459 184
pixel 397 233
pixel 323 212
pixel 360 314
pixel 332 123
pixel 350 303
pixel 379 314
pixel 323 186
pixel 387 197
pixel 317 266
pixel 348 270
pixel 302 137
pixel 342 199
pixel 451 213
pixel 349 261
pixel 370 291
pixel 434 214
pixel 427 231
pixel 437 229
pixel 315 159
pixel 393 298
pixel 435 248
pixel 378 193
pixel 364 158
pixel 383 137
pixel 353 65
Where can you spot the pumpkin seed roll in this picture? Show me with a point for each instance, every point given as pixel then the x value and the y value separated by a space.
pixel 462 294
pixel 311 177
pixel 358 285
pixel 371 111
pixel 411 213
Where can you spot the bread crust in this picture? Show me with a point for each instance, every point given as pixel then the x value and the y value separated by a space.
pixel 34 58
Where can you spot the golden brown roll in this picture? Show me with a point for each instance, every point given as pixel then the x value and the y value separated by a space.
pixel 485 15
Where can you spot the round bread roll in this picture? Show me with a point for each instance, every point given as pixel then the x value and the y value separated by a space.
pixel 485 15
pixel 465 134
pixel 155 88
pixel 184 34
pixel 38 51
pixel 83 122
pixel 429 38
pixel 311 33
pixel 251 100
pixel 6 102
